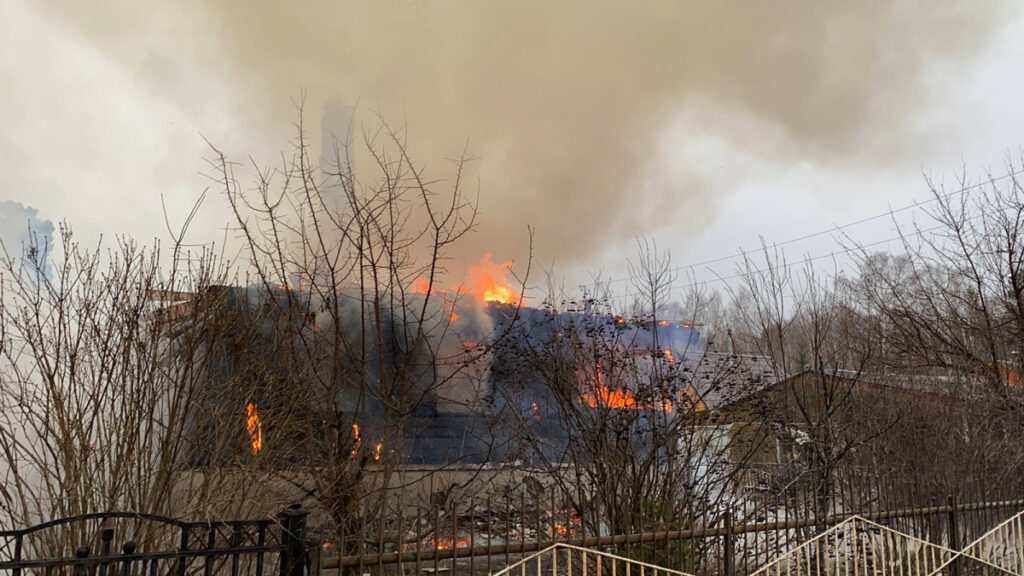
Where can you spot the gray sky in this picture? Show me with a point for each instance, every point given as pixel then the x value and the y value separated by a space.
pixel 702 127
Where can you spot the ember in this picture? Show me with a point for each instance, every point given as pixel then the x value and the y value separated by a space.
pixel 448 544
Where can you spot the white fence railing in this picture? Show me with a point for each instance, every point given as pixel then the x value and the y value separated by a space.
pixel 854 547
pixel 998 551
pixel 859 547
pixel 569 560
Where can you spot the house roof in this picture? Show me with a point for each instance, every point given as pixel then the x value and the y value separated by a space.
pixel 936 385
pixel 720 379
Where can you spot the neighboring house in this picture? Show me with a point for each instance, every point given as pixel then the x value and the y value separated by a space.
pixel 716 381
pixel 895 425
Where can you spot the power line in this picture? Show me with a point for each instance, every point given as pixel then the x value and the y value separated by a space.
pixel 824 256
pixel 803 261
pixel 834 229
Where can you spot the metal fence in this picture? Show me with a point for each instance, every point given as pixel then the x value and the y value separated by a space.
pixel 1000 550
pixel 121 544
pixel 860 546
pixel 569 560
pixel 707 546
pixel 126 544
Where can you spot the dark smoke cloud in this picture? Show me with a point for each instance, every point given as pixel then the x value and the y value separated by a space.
pixel 22 232
pixel 563 101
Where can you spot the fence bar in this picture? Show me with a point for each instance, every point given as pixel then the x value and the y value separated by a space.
pixel 128 549
pixel 183 548
pixel 954 538
pixel 730 546
pixel 81 554
pixel 777 525
pixel 293 559
pixel 17 554
pixel 106 537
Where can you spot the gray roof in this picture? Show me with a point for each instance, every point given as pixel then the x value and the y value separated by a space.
pixel 721 379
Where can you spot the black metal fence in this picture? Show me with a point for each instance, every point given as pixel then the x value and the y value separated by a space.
pixel 734 538
pixel 124 544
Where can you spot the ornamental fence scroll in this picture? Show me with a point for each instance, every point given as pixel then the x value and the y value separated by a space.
pixel 129 544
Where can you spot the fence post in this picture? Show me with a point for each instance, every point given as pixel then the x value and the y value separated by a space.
pixel 730 546
pixel 106 537
pixel 293 559
pixel 127 549
pixel 182 549
pixel 81 554
pixel 17 554
pixel 954 535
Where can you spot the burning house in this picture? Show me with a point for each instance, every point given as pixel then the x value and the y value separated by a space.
pixel 495 377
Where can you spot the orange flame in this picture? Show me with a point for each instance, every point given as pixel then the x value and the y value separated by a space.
pixel 663 323
pixel 619 400
pixel 448 544
pixel 668 354
pixel 254 426
pixel 378 451
pixel 358 439
pixel 422 286
pixel 488 282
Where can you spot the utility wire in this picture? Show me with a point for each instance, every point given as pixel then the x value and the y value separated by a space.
pixel 788 265
pixel 834 229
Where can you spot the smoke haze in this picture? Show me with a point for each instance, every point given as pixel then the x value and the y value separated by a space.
pixel 563 102
pixel 21 230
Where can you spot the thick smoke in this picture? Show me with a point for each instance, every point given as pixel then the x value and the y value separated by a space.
pixel 563 101
pixel 24 236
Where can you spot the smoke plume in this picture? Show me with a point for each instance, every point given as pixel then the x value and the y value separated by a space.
pixel 563 102
pixel 24 236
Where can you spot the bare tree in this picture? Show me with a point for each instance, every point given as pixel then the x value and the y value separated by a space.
pixel 307 369
pixel 103 386
pixel 803 321
pixel 615 413
pixel 948 312
pixel 375 341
